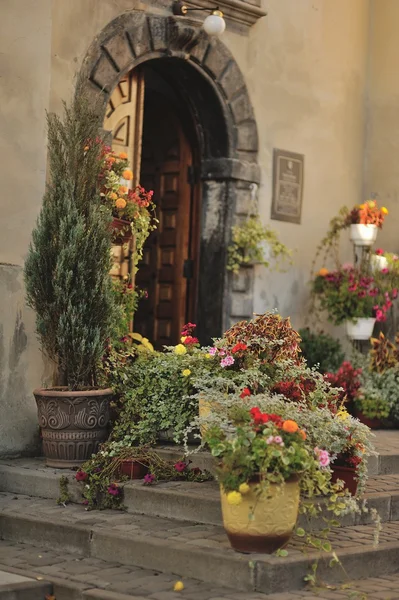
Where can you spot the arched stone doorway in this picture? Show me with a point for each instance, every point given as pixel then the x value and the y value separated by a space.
pixel 217 119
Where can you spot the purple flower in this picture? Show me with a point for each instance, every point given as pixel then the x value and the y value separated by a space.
pixel 180 466
pixel 149 478
pixel 114 489
pixel 227 361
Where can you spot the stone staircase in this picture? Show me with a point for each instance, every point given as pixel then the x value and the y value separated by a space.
pixel 175 528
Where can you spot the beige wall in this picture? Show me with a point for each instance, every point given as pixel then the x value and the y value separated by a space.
pixel 306 71
pixel 381 174
pixel 25 38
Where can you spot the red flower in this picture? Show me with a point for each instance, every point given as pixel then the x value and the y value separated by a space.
pixel 245 392
pixel 190 341
pixel 81 476
pixel 379 251
pixel 239 347
pixel 180 466
pixel 188 329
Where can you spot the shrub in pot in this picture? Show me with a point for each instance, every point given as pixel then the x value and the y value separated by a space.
pixel 69 286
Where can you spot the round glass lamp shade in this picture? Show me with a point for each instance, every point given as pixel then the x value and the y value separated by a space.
pixel 214 24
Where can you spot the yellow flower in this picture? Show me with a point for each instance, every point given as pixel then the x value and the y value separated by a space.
pixel 207 355
pixel 244 488
pixel 186 373
pixel 342 414
pixel 178 587
pixel 180 349
pixel 384 210
pixel 147 344
pixel 120 203
pixel 234 498
pixel 183 339
pixel 113 196
pixel 371 203
pixel 127 174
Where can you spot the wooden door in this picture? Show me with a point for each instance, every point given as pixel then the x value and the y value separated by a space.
pixel 124 119
pixel 171 251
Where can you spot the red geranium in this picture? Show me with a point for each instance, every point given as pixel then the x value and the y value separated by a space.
pixel 239 347
pixel 245 393
pixel 190 341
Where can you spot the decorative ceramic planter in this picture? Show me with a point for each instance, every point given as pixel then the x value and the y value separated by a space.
pixel 372 423
pixel 361 330
pixel 347 475
pixel 133 469
pixel 378 263
pixel 262 523
pixel 205 407
pixel 73 424
pixel 363 235
pixel 121 231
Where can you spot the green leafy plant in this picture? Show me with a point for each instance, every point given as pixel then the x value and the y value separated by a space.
pixel 252 242
pixel 64 497
pixel 321 350
pixel 67 268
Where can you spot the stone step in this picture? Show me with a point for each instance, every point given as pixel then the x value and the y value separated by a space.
pixel 18 587
pixel 77 578
pixel 195 550
pixel 184 501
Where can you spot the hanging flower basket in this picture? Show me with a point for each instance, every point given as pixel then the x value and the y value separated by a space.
pixel 347 475
pixel 121 231
pixel 378 263
pixel 262 523
pixel 361 330
pixel 363 235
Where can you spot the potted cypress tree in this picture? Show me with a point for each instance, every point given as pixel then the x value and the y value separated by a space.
pixel 68 285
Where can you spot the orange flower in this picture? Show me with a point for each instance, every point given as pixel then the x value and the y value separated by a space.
pixel 323 272
pixel 86 148
pixel 122 189
pixel 111 159
pixel 302 433
pixel 120 203
pixel 113 196
pixel 123 155
pixel 290 426
pixel 127 174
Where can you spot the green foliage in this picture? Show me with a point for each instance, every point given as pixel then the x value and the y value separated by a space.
pixel 321 349
pixel 64 497
pixel 328 248
pixel 67 268
pixel 378 394
pixel 126 300
pixel 253 243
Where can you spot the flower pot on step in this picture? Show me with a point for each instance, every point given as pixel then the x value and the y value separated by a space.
pixel 121 231
pixel 347 475
pixel 73 424
pixel 361 330
pixel 264 523
pixel 133 469
pixel 363 235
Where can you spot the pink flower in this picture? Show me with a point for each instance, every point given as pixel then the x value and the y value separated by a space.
pixel 380 317
pixel 213 351
pixel 270 440
pixel 373 292
pixel 85 502
pixel 385 271
pixel 149 478
pixel 114 489
pixel 323 457
pixel 394 293
pixel 81 476
pixel 278 440
pixel 379 251
pixel 227 361
pixel 180 466
pixel 353 287
pixel 347 267
pixel 362 294
pixel 388 304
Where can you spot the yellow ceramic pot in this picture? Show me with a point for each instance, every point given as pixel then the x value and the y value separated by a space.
pixel 205 407
pixel 262 523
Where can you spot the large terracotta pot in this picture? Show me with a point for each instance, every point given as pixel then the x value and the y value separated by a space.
pixel 133 469
pixel 73 424
pixel 347 475
pixel 363 235
pixel 262 523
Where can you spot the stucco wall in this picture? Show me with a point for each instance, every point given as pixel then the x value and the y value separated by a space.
pixel 25 27
pixel 306 70
pixel 381 173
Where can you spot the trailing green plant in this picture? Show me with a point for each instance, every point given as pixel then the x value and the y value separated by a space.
pixel 67 268
pixel 126 300
pixel 64 498
pixel 321 350
pixel 103 481
pixel 378 394
pixel 255 243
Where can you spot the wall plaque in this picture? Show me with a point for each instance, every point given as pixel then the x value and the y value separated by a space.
pixel 287 186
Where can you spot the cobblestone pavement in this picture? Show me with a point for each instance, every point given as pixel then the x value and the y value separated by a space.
pixel 140 584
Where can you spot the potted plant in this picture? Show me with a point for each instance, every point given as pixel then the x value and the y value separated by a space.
pixel 365 220
pixel 350 296
pixel 260 459
pixel 68 285
pixel 254 243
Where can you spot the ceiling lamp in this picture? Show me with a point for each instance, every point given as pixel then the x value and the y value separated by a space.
pixel 214 23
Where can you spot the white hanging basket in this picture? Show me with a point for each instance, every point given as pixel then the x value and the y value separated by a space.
pixel 363 235
pixel 361 330
pixel 378 262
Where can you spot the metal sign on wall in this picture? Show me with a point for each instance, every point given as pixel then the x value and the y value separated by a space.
pixel 287 186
